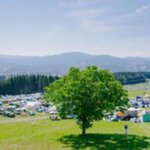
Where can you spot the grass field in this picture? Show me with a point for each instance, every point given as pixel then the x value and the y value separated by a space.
pixel 138 89
pixel 133 93
pixel 20 134
pixel 65 134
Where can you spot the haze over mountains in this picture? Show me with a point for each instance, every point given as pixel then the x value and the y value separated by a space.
pixel 59 64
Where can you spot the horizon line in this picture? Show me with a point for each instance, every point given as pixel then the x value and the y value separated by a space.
pixel 62 53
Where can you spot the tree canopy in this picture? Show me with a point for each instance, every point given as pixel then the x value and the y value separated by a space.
pixel 88 94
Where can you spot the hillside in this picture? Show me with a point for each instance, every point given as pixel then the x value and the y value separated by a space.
pixel 20 134
pixel 59 64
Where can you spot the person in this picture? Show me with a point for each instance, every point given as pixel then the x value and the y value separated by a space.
pixel 126 129
pixel 33 121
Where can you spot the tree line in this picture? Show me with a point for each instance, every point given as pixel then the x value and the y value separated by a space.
pixel 25 84
pixel 132 77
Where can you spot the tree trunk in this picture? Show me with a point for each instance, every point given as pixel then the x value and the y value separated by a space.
pixel 83 130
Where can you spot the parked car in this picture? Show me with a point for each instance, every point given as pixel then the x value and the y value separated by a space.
pixel 11 107
pixel 5 113
pixel 31 113
pixel 41 110
pixel 1 110
pixel 18 111
pixel 54 118
pixel 9 114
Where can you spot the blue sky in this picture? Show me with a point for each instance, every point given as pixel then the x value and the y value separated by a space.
pixel 46 27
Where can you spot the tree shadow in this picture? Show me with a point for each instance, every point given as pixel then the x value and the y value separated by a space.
pixel 106 142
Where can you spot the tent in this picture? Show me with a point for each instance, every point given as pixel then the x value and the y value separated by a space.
pixel 146 117
pixel 119 114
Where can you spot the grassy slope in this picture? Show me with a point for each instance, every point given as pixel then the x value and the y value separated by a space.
pixel 138 89
pixel 59 135
pixel 133 93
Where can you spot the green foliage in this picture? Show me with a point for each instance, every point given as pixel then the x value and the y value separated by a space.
pixel 131 77
pixel 25 84
pixel 87 93
pixel 146 74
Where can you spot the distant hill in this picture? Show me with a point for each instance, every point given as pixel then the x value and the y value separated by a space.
pixel 59 64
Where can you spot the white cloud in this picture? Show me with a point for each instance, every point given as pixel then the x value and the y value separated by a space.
pixel 95 17
pixel 86 2
pixel 91 12
pixel 135 13
pixel 103 28
pixel 95 26
pixel 143 8
pixel 88 14
pixel 89 17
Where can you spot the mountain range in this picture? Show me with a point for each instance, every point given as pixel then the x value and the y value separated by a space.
pixel 59 64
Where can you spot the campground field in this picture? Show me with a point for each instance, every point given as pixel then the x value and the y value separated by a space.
pixel 133 93
pixel 21 134
pixel 138 89
pixel 65 134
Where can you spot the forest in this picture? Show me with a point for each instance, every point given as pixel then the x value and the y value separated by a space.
pixel 26 84
pixel 132 77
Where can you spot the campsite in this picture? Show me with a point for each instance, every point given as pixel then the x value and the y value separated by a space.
pixel 40 132
pixel 74 75
pixel 29 121
pixel 26 105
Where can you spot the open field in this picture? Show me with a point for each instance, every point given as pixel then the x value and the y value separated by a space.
pixel 138 89
pixel 64 134
pixel 133 93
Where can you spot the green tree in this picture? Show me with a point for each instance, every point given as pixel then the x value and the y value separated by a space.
pixel 88 94
pixel 25 84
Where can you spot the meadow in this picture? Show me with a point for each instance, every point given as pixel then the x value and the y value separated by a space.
pixel 138 89
pixel 133 93
pixel 65 135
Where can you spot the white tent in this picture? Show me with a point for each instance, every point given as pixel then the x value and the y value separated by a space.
pixel 33 105
pixel 52 110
